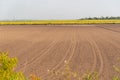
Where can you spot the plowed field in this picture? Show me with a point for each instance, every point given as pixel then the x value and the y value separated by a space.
pixel 87 48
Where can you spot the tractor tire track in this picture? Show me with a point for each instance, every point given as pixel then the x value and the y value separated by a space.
pixel 60 63
pixel 108 29
pixel 97 51
pixel 38 56
pixel 43 53
pixel 72 46
pixel 74 42
pixel 95 57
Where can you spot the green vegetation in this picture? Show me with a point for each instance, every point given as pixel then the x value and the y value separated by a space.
pixel 101 18
pixel 91 76
pixel 116 77
pixel 7 68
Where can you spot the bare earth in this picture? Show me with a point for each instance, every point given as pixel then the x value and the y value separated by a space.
pixel 88 48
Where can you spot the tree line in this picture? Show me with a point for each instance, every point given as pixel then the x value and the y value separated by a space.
pixel 101 18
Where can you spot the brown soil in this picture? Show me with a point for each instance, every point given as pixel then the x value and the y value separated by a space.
pixel 88 48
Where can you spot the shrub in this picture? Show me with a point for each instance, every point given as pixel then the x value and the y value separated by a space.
pixel 116 77
pixel 7 66
pixel 34 77
pixel 91 76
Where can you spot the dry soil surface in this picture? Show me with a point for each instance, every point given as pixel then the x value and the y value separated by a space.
pixel 87 48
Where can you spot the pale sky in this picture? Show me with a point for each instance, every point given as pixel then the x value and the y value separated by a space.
pixel 57 9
